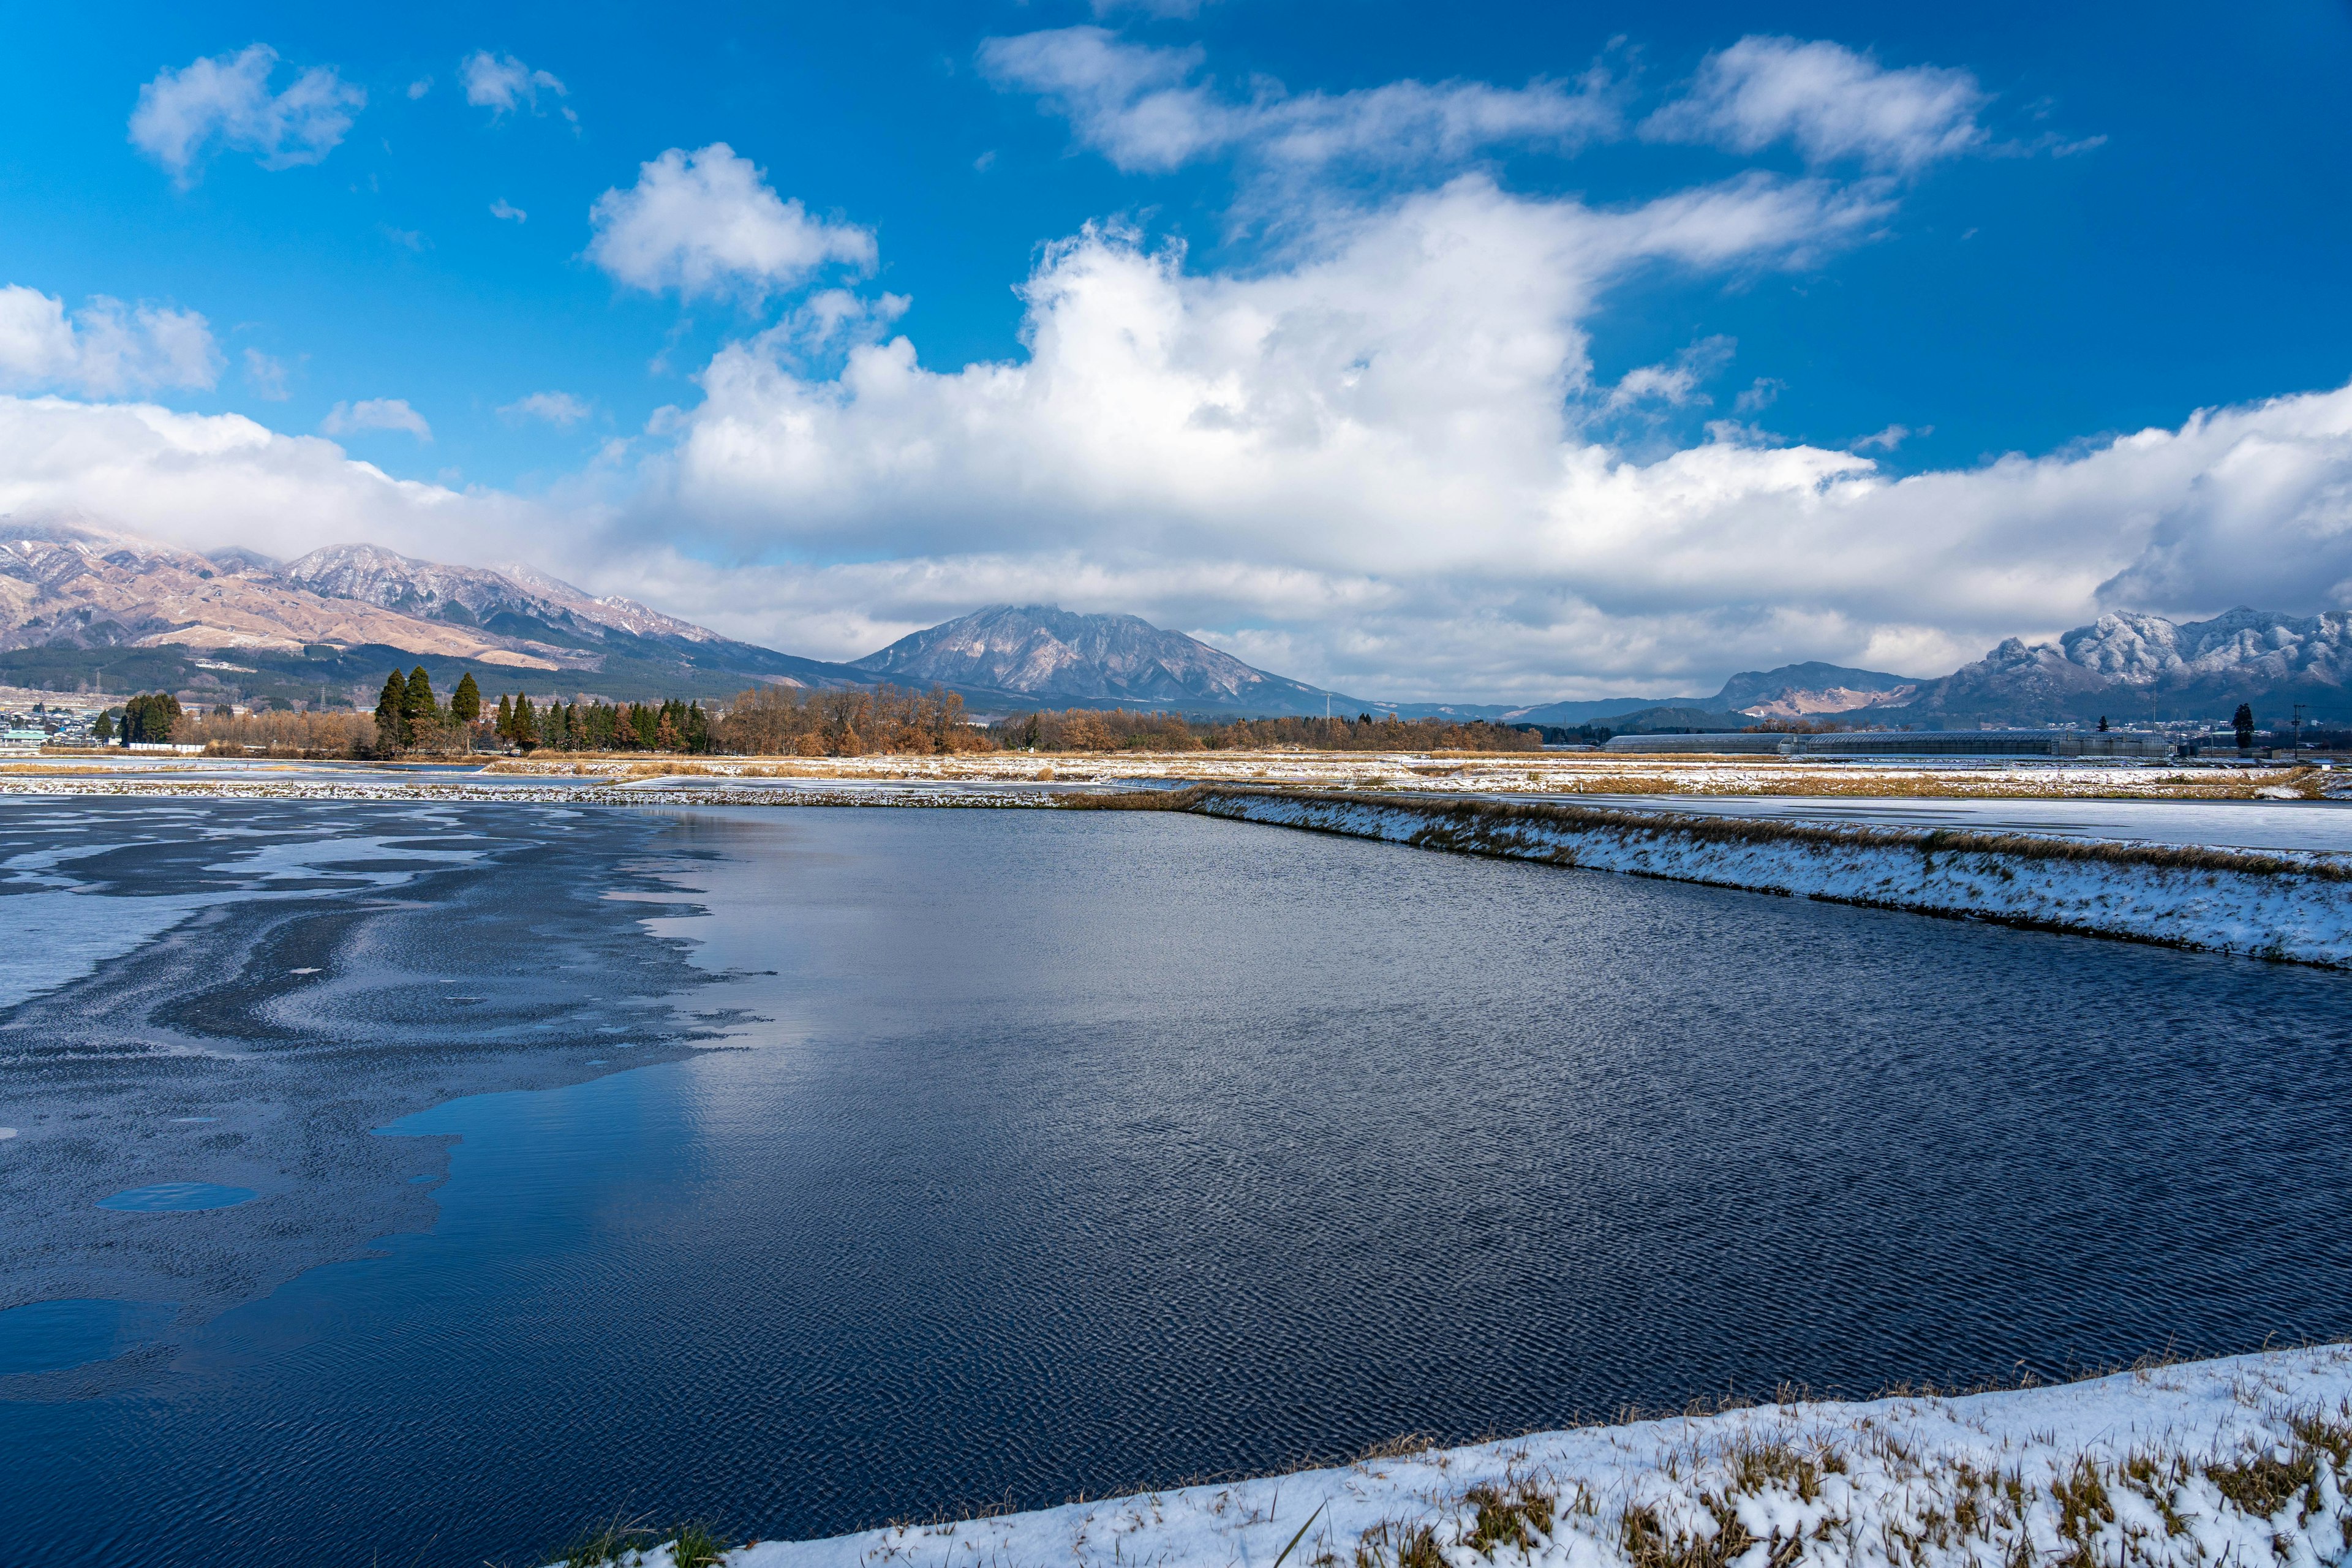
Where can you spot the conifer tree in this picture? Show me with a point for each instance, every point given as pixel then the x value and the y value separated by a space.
pixel 466 702
pixel 102 730
pixel 526 727
pixel 417 709
pixel 2243 722
pixel 390 733
pixel 505 725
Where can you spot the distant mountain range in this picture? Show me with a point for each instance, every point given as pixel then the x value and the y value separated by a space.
pixel 84 607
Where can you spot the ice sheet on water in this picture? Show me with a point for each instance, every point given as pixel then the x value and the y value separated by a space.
pixel 61 934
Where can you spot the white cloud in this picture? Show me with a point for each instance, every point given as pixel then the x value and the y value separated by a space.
pixel 375 413
pixel 1675 385
pixel 1829 102
pixel 266 374
pixel 1143 108
pixel 419 88
pixel 554 407
pixel 502 208
pixel 706 223
pixel 105 348
pixel 225 100
pixel 215 480
pixel 501 83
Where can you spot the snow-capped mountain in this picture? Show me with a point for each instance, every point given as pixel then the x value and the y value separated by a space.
pixel 69 591
pixel 1056 656
pixel 2130 666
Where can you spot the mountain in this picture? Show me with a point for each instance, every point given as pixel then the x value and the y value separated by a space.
pixel 1801 690
pixel 2131 667
pixel 1793 691
pixel 1042 655
pixel 82 606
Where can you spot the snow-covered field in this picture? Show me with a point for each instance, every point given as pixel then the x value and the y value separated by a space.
pixel 1548 772
pixel 2223 1464
pixel 2276 905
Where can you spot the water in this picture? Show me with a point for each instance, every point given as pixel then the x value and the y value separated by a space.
pixel 1083 1150
pixel 177 1197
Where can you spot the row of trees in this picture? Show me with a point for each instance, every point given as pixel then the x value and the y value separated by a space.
pixel 1087 730
pixel 671 726
pixel 409 718
pixel 789 721
pixel 772 720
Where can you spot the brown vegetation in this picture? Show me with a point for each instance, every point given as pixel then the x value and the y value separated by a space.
pixel 788 721
pixel 1119 730
pixel 343 734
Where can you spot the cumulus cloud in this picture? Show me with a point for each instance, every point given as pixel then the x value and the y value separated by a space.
pixel 1829 102
pixel 375 413
pixel 225 102
pixel 706 222
pixel 553 407
pixel 103 348
pixel 501 84
pixel 216 480
pixel 1148 108
pixel 502 208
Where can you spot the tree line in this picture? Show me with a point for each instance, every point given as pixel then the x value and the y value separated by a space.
pixel 1090 730
pixel 410 719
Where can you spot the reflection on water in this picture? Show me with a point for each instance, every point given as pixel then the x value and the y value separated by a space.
pixel 1084 1151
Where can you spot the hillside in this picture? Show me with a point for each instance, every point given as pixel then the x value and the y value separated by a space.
pixel 1043 655
pixel 82 608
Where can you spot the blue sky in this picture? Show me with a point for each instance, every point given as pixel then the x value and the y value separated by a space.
pixel 2007 229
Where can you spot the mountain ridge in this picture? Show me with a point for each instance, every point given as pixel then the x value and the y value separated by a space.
pixel 1045 653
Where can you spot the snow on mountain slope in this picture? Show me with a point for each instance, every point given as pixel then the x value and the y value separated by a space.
pixel 1050 654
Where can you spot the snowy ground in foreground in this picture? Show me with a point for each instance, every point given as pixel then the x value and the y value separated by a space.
pixel 2237 1462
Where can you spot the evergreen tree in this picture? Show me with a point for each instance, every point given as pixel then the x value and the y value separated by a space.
pixel 466 702
pixel 525 726
pixel 148 720
pixel 389 733
pixel 102 730
pixel 2243 722
pixel 505 718
pixel 648 724
pixel 417 709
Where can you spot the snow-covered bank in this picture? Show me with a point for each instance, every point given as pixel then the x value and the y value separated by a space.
pixel 2237 1463
pixel 2274 905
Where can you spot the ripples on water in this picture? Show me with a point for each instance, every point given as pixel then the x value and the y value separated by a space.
pixel 1086 1151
